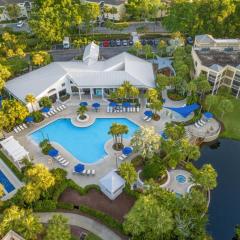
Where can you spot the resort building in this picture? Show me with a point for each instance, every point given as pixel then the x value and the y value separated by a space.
pixel 219 60
pixel 24 6
pixel 89 78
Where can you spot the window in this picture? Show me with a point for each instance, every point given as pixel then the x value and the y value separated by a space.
pixel 62 92
pixel 63 84
pixel 236 83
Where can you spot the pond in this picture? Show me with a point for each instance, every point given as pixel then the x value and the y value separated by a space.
pixel 224 209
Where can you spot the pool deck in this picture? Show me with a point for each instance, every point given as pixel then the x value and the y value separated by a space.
pixel 12 178
pixel 104 165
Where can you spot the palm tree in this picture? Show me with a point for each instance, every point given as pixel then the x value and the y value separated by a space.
pixel 117 130
pixel 81 111
pixel 156 106
pixel 121 93
pixel 134 92
pixel 151 94
pixel 211 100
pixel 225 106
pixel 31 99
pixel 127 86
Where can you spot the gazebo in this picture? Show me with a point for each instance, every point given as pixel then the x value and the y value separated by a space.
pixel 112 185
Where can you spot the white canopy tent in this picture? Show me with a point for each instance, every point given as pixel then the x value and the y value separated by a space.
pixel 12 147
pixel 112 185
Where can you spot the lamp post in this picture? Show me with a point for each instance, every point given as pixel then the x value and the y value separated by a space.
pixel 116 158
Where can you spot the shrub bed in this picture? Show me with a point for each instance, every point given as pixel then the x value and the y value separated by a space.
pixel 175 96
pixel 11 165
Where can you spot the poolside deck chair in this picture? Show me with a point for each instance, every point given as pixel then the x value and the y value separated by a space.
pixel 84 172
pixel 45 115
pixel 122 157
pixel 24 125
pixel 145 118
pixel 58 109
pixel 22 128
pixel 202 121
pixel 138 109
pixel 15 130
pixel 149 119
pixel 65 164
pixel 196 125
pixel 64 106
pixel 93 171
pixel 54 110
pixel 61 108
pixel 200 124
pixel 19 129
pixel 88 172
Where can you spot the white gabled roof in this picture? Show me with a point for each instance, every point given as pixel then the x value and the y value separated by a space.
pixel 112 182
pixel 11 235
pixel 109 73
pixel 91 53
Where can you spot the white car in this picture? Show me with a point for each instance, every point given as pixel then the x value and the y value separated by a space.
pixel 20 24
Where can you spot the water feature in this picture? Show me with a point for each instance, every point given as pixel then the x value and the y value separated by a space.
pixel 224 209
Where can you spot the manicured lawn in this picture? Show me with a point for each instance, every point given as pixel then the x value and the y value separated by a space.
pixel 231 121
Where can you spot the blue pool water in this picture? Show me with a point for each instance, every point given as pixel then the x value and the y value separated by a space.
pixel 181 178
pixel 6 183
pixel 85 144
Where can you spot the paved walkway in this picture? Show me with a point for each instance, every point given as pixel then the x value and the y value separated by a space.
pixel 84 222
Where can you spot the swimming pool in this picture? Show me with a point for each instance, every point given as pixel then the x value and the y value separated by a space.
pixel 6 183
pixel 85 144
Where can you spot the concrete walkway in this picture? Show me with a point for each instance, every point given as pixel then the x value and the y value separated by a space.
pixel 84 222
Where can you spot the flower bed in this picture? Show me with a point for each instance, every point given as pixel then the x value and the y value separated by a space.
pixel 84 118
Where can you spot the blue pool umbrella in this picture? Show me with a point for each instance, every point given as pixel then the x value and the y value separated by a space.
pixel 79 168
pixel 112 104
pixel 127 150
pixel 53 152
pixel 148 113
pixel 29 119
pixel 83 104
pixel 208 115
pixel 45 109
pixel 126 104
pixel 163 135
pixel 96 105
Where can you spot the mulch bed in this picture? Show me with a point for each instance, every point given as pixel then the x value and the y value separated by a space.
pixel 97 200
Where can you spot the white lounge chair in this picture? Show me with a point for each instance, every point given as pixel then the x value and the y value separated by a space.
pixel 200 124
pixel 122 157
pixel 148 120
pixel 202 121
pixel 93 171
pixel 65 164
pixel 54 110
pixel 19 129
pixel 64 106
pixel 84 172
pixel 88 172
pixel 196 125
pixel 45 115
pixel 138 109
pixel 24 125
pixel 15 130
pixel 58 109
pixel 108 109
pixel 145 118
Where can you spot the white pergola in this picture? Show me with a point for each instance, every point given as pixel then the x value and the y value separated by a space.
pixel 13 149
pixel 112 185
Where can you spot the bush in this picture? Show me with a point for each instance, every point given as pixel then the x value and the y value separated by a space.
pixel 45 146
pixel 63 205
pixel 153 170
pixel 104 218
pixel 45 205
pixel 37 116
pixel 11 165
pixel 45 102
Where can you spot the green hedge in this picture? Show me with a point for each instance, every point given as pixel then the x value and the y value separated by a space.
pixel 104 218
pixel 101 36
pixel 45 205
pixel 63 205
pixel 11 165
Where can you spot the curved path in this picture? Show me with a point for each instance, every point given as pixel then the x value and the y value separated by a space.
pixel 171 103
pixel 84 222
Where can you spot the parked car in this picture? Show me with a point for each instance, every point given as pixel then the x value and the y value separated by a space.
pixel 124 42
pixel 118 42
pixel 143 42
pixel 20 24
pixel 112 43
pixel 130 42
pixel 106 43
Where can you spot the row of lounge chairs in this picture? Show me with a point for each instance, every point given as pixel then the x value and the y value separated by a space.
pixel 87 172
pixel 120 110
pixel 53 111
pixel 20 127
pixel 63 162
pixel 200 123
pixel 147 119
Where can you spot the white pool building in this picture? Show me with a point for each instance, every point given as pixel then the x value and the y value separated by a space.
pixel 90 77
